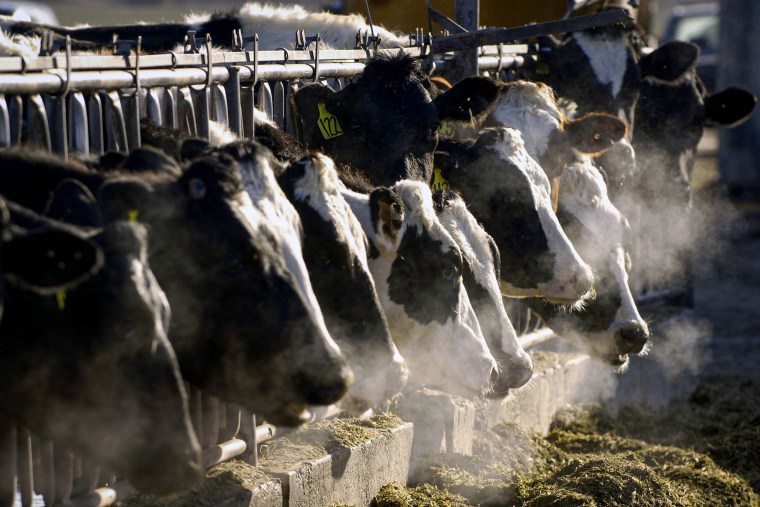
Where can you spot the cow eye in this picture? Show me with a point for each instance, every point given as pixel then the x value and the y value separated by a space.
pixel 233 264
pixel 357 130
pixel 197 188
pixel 451 272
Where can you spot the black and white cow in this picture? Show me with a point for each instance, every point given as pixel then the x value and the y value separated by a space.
pixel 481 279
pixel 239 321
pixel 509 193
pixel 325 246
pixel 275 26
pixel 418 270
pixel 91 366
pixel 608 326
pixel 386 122
pixel 335 250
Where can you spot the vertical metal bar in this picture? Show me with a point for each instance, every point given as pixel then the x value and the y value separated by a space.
pixel 25 472
pixel 169 101
pixel 116 130
pixel 5 126
pixel 200 100
pixel 58 118
pixel 234 104
pixel 37 122
pixel 131 108
pixel 95 123
pixel 186 112
pixel 64 475
pixel 278 104
pixel 8 461
pixel 218 106
pixel 467 14
pixel 290 121
pixel 196 409
pixel 88 478
pixel 247 433
pixel 78 129
pixel 16 112
pixel 46 480
pixel 153 107
pixel 210 421
pixel 247 105
pixel 264 99
pixel 231 422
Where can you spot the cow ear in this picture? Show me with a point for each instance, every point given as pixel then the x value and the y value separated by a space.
pixel 595 132
pixel 468 99
pixel 193 148
pixel 73 203
pixel 729 108
pixel 50 260
pixel 316 114
pixel 387 215
pixel 670 61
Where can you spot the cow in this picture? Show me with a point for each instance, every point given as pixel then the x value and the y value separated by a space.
pixel 417 268
pixel 325 246
pixel 239 320
pixel 670 118
pixel 385 122
pixel 275 25
pixel 481 279
pixel 91 367
pixel 608 326
pixel 509 193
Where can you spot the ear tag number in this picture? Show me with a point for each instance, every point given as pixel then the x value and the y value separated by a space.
pixel 133 214
pixel 439 182
pixel 60 297
pixel 446 130
pixel 328 123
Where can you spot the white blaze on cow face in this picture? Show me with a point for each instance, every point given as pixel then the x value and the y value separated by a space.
pixel 417 270
pixel 601 241
pixel 608 55
pixel 531 109
pixel 571 273
pixel 481 256
pixel 379 367
pixel 268 211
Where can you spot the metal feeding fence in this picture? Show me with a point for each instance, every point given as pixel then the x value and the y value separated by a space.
pixel 80 105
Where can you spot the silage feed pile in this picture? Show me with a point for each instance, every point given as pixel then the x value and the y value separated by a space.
pixel 703 452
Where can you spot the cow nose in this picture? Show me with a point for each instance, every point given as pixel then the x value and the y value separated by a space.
pixel 324 387
pixel 631 337
pixel 514 372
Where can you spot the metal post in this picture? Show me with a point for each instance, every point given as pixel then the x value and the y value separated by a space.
pixel 466 14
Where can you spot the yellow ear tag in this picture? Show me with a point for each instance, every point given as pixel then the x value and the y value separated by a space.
pixel 446 130
pixel 133 214
pixel 328 124
pixel 60 297
pixel 439 182
pixel 542 68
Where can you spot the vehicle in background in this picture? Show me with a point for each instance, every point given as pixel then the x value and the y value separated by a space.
pixel 699 24
pixel 29 11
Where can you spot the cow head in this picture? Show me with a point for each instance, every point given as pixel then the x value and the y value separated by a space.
pixel 509 194
pixel 671 116
pixel 335 251
pixel 93 368
pixel 245 317
pixel 609 327
pixel 417 268
pixel 481 279
pixel 386 122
